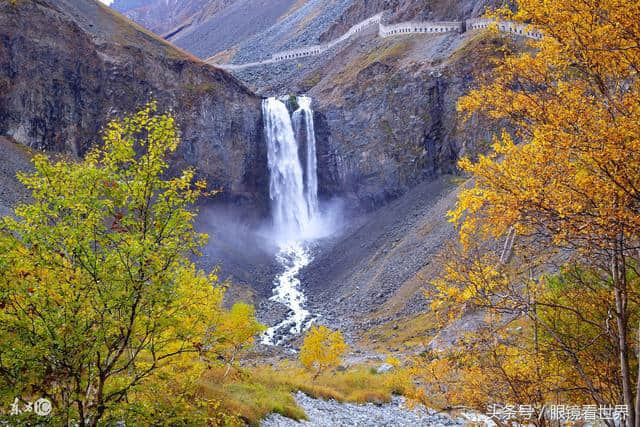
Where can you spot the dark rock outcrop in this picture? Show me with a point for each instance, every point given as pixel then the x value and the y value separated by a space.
pixel 385 138
pixel 68 66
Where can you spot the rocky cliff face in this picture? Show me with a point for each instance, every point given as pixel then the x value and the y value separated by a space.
pixel 67 66
pixel 386 115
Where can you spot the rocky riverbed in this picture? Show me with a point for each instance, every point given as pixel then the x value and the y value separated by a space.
pixel 329 413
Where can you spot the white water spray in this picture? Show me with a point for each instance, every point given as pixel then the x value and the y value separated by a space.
pixel 303 119
pixel 293 190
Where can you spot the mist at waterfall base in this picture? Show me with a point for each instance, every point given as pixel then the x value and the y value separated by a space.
pixel 298 219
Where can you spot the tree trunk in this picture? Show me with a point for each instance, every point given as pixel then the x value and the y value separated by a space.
pixel 229 365
pixel 624 367
pixel 620 292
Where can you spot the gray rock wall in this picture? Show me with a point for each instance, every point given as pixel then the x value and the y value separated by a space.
pixel 66 68
pixel 378 144
pixel 386 115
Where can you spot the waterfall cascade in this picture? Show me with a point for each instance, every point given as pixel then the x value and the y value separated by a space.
pixel 286 184
pixel 293 189
pixel 303 120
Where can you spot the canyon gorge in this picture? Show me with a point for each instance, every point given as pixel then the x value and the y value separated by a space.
pixel 384 117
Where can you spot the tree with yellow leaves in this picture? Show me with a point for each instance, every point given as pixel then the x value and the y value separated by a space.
pixel 235 332
pixel 566 176
pixel 322 349
pixel 539 339
pixel 98 292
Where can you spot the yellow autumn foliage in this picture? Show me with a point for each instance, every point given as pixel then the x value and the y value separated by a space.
pixel 562 180
pixel 322 349
pixel 99 296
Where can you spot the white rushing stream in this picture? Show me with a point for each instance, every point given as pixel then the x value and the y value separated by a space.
pixel 293 189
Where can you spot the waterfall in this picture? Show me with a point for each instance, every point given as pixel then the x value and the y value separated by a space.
pixel 293 189
pixel 290 196
pixel 303 119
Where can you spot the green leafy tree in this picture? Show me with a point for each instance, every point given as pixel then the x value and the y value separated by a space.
pixel 97 289
pixel 322 349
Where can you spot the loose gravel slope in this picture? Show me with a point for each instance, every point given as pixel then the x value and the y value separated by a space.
pixel 329 413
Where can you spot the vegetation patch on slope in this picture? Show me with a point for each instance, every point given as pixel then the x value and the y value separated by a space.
pixel 389 51
pixel 253 393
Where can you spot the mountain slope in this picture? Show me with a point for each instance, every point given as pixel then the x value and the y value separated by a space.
pixel 162 16
pixel 67 66
pixel 386 107
pixel 386 116
pixel 248 30
pixel 238 22
pixel 408 10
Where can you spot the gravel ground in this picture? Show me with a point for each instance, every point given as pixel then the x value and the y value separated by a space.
pixel 301 27
pixel 379 253
pixel 329 413
pixel 241 20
